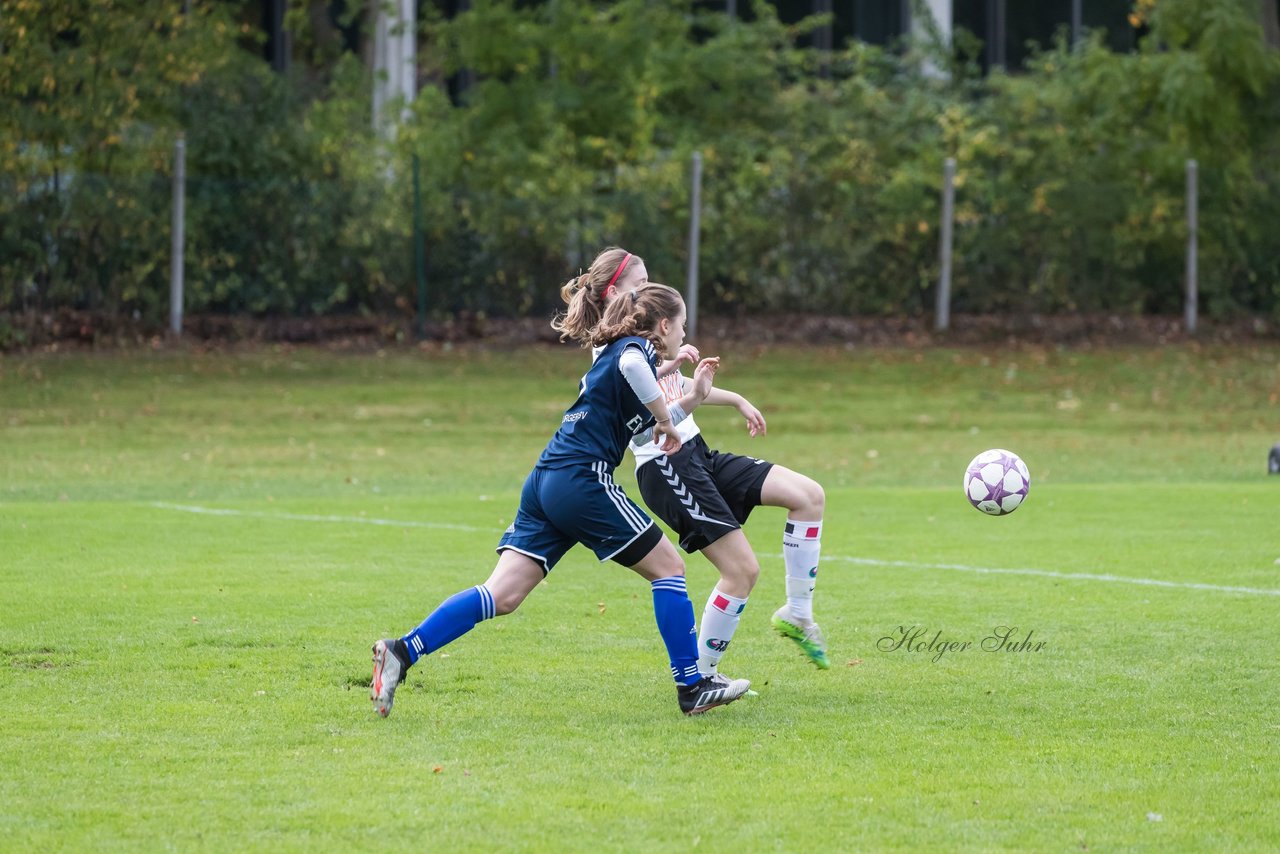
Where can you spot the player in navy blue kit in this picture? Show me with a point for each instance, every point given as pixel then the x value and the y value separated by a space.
pixel 570 497
pixel 705 495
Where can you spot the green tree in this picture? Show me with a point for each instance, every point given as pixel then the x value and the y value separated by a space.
pixel 90 92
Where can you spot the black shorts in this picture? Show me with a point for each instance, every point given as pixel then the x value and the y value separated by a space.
pixel 702 494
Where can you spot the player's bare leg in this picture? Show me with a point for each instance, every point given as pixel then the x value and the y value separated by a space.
pixel 512 580
pixel 802 496
pixel 736 562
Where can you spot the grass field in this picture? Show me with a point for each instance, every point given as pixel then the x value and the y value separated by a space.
pixel 196 551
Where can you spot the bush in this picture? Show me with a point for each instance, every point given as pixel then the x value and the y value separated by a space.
pixel 822 173
pixel 291 217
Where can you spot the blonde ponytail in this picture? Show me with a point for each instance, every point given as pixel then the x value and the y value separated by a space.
pixel 585 295
pixel 583 313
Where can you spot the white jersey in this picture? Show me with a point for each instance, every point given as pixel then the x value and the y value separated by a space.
pixel 672 386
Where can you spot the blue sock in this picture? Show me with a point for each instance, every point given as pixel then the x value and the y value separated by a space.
pixel 456 616
pixel 674 613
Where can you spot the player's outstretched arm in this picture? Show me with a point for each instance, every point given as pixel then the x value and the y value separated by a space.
pixel 723 397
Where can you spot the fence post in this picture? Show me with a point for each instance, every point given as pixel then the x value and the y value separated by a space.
pixel 695 228
pixel 942 313
pixel 419 262
pixel 1193 201
pixel 177 234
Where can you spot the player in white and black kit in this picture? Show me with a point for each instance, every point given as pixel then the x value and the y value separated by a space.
pixel 706 495
pixel 570 497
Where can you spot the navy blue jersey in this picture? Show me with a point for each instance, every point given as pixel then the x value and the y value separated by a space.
pixel 606 414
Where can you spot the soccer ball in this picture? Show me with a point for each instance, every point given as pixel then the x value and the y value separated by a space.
pixel 996 482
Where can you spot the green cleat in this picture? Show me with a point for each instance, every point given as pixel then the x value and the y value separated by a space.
pixel 804 632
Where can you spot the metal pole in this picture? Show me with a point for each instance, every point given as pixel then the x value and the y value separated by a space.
pixel 822 35
pixel 695 227
pixel 995 10
pixel 990 14
pixel 942 313
pixel 419 261
pixel 1001 23
pixel 177 234
pixel 1077 21
pixel 276 35
pixel 1193 201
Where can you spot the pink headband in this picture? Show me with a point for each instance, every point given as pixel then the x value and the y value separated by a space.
pixel 617 273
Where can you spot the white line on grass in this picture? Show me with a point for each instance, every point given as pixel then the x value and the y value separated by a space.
pixel 1048 573
pixel 863 561
pixel 303 517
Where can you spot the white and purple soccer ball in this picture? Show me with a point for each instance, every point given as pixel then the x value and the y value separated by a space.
pixel 996 482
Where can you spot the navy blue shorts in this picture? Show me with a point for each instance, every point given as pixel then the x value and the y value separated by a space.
pixel 578 504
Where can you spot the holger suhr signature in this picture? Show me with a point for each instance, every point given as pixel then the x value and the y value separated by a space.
pixel 920 639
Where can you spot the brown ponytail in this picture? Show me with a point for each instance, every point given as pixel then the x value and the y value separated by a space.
pixel 639 313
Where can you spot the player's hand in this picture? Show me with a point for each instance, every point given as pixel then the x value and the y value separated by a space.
pixel 755 421
pixel 686 353
pixel 704 375
pixel 667 437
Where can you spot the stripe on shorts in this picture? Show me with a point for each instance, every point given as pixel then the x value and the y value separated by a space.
pixel 619 499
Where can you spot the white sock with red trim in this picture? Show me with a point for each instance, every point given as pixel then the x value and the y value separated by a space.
pixel 801 546
pixel 719 622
